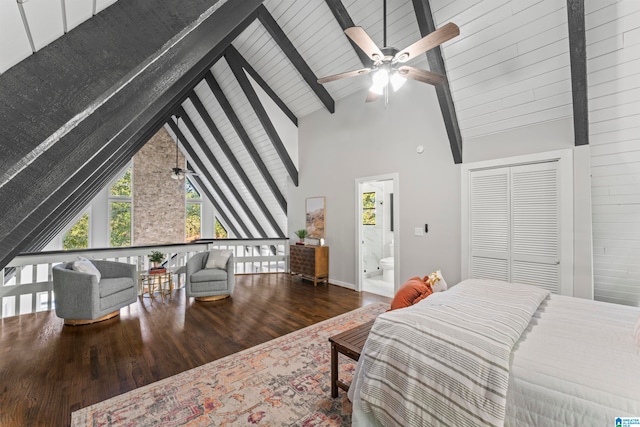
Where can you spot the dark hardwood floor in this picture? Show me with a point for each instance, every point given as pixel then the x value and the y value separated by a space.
pixel 48 370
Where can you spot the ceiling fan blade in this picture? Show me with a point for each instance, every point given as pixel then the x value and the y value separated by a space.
pixel 429 41
pixel 372 97
pixel 421 75
pixel 362 39
pixel 359 72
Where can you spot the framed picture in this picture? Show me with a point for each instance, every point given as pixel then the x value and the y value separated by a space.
pixel 315 217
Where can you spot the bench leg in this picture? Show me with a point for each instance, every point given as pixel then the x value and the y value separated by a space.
pixel 334 371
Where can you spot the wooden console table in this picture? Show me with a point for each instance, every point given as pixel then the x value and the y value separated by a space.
pixel 310 262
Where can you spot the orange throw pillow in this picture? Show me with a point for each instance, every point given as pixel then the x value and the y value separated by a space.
pixel 413 289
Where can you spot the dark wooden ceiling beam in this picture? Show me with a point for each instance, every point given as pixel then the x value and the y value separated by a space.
pixel 244 138
pixel 67 158
pixel 258 79
pixel 217 167
pixel 232 59
pixel 201 169
pixel 224 146
pixel 443 91
pixel 58 219
pixel 216 205
pixel 294 56
pixel 345 21
pixel 578 60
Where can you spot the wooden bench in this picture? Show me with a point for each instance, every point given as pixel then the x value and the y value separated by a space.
pixel 349 343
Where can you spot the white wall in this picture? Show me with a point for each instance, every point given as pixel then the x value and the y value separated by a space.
pixel 362 140
pixel 613 66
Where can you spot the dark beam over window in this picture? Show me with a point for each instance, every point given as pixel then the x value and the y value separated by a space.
pixel 252 96
pixel 443 91
pixel 216 205
pixel 578 58
pixel 244 137
pixel 294 56
pixel 212 182
pixel 104 126
pixel 221 172
pixel 224 146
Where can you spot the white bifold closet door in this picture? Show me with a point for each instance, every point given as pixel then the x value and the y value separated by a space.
pixel 515 224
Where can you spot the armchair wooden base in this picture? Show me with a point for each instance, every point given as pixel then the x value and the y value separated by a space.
pixel 212 298
pixel 80 322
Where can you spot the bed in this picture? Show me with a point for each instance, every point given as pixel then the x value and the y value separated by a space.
pixel 493 353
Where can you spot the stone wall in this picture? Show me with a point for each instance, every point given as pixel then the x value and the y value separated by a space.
pixel 159 208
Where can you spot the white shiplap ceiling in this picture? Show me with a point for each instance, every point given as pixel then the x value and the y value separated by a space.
pixel 508 68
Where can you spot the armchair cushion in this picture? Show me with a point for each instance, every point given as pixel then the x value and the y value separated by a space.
pixel 218 258
pixel 208 275
pixel 112 286
pixel 83 265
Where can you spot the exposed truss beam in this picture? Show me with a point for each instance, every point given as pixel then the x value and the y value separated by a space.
pixel 221 172
pixel 345 21
pixel 224 146
pixel 294 56
pixel 65 212
pixel 217 207
pixel 578 58
pixel 244 138
pixel 254 74
pixel 212 182
pixel 258 108
pixel 81 149
pixel 443 91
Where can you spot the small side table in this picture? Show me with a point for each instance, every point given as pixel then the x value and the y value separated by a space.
pixel 157 282
pixel 349 343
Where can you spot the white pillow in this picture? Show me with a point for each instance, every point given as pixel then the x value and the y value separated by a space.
pixel 438 281
pixel 218 258
pixel 83 265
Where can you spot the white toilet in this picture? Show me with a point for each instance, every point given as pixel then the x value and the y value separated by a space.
pixel 386 264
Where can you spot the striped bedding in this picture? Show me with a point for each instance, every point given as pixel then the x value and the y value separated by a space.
pixel 445 361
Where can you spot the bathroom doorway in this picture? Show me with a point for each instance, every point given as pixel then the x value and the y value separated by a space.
pixel 377 244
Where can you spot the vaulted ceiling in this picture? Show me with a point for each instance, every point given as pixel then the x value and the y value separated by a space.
pixel 83 97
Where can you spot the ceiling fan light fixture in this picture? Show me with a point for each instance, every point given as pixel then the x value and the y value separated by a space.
pixel 380 77
pixel 397 80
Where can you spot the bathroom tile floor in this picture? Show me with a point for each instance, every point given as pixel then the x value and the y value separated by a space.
pixel 376 285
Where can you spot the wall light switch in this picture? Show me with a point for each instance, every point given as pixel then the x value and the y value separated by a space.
pixel 418 231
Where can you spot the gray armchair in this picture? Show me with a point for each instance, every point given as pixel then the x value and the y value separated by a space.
pixel 80 299
pixel 209 284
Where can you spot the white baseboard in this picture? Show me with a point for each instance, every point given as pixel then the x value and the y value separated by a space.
pixel 343 284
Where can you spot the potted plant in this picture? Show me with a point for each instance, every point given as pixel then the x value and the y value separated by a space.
pixel 156 258
pixel 302 233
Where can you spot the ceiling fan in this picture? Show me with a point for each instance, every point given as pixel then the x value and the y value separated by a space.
pixel 177 172
pixel 388 62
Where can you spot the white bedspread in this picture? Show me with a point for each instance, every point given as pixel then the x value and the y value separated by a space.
pixel 576 364
pixel 445 361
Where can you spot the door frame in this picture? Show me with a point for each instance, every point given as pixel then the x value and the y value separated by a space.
pixel 395 178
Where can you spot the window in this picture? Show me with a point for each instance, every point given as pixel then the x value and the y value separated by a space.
pixel 78 235
pixel 120 211
pixel 369 208
pixel 221 232
pixel 194 212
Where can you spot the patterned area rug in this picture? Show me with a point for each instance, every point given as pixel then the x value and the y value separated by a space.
pixel 285 381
